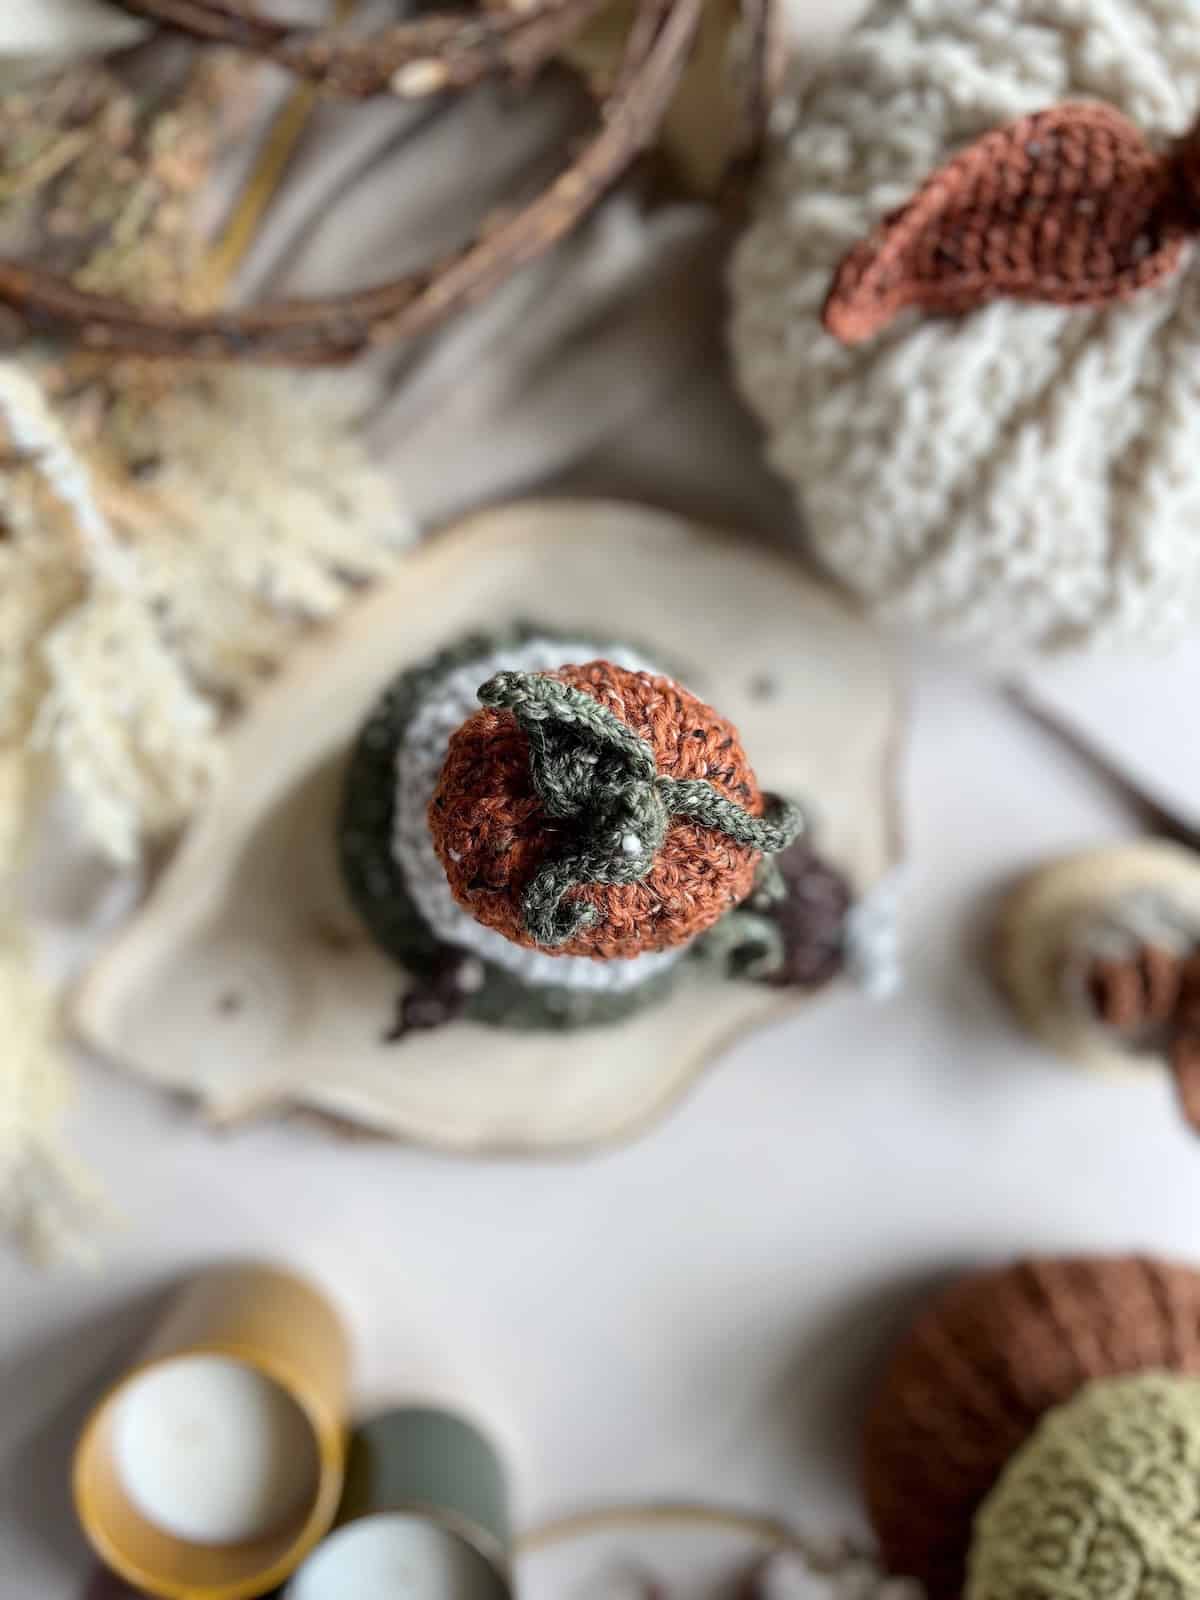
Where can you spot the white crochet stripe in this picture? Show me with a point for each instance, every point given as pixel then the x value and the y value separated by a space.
pixel 873 940
pixel 1024 477
pixel 419 763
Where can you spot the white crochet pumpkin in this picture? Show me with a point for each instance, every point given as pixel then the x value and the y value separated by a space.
pixel 1023 477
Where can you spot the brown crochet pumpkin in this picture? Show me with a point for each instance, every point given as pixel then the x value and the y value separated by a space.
pixel 492 835
pixel 980 1368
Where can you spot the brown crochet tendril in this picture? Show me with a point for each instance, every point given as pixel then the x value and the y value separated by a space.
pixel 448 51
pixel 1154 993
pixel 1070 206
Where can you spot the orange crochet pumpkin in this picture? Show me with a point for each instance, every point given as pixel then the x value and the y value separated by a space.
pixel 492 833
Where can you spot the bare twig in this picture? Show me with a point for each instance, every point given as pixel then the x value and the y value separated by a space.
pixel 336 329
pixel 759 63
pixel 1151 815
pixel 413 60
pixel 212 20
pixel 758 70
pixel 644 25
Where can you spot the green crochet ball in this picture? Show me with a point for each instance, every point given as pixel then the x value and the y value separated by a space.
pixel 1102 1503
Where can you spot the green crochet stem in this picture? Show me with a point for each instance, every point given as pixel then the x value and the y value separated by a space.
pixel 590 769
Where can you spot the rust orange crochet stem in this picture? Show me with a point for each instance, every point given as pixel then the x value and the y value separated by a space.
pixel 1070 206
pixel 492 832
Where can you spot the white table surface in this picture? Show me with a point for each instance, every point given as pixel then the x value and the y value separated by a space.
pixel 699 1313
pixel 696 1314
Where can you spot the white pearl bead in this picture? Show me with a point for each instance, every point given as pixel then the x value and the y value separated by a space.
pixel 631 844
pixel 471 975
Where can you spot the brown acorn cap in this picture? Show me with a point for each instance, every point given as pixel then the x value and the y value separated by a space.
pixel 980 1367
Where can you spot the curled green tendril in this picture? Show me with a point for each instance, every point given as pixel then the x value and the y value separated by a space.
pixel 588 767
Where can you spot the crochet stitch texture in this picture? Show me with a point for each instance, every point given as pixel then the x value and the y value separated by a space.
pixel 496 832
pixel 1024 477
pixel 445 707
pixel 395 881
pixel 1071 206
pixel 969 1384
pixel 1104 1500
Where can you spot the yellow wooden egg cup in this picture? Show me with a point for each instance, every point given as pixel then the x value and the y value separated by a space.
pixel 278 1326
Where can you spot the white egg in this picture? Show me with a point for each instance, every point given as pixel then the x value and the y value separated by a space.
pixel 212 1452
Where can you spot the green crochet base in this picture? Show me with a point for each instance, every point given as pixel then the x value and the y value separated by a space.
pixel 376 882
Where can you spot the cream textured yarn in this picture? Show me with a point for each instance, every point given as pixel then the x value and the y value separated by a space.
pixel 1024 477
pixel 131 614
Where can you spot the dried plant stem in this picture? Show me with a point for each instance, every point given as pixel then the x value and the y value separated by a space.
pixel 317 331
pixel 278 148
pixel 638 41
pixel 46 167
pixel 761 58
pixel 27 425
pixel 451 50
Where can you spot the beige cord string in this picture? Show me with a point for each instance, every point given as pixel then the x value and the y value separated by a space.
pixel 765 1529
